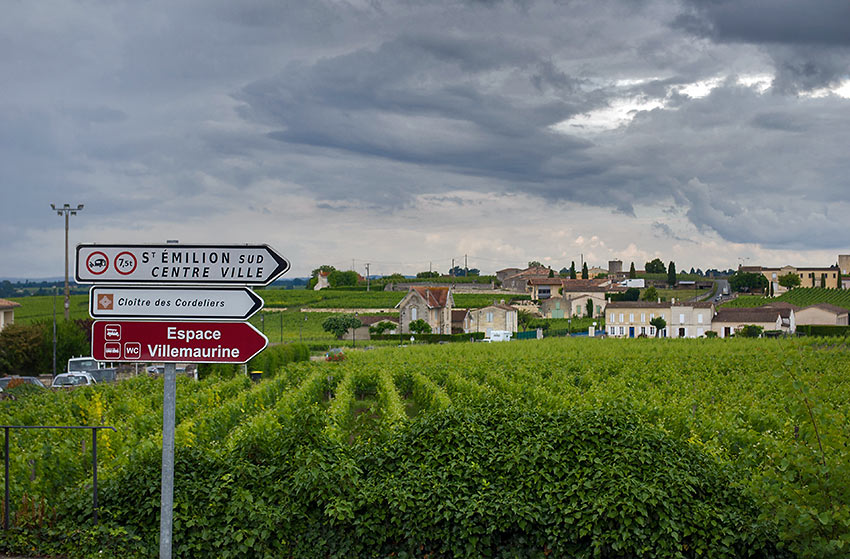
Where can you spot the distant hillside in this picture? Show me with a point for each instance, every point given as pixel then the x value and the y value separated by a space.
pixel 801 296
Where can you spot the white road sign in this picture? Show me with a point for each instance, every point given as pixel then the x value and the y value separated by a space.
pixel 222 303
pixel 179 264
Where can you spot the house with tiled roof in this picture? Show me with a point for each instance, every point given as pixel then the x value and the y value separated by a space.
pixel 431 304
pixel 519 282
pixel 823 313
pixel 631 319
pixel 7 312
pixel 493 317
pixel 728 321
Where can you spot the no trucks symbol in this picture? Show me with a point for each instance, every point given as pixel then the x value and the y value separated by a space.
pixel 97 263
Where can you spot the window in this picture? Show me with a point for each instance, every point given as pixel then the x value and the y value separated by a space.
pixel 699 318
pixel 489 317
pixel 642 330
pixel 611 317
pixel 652 330
pixel 413 313
pixel 622 330
pixel 613 330
pixel 700 332
pixel 651 316
pixel 643 317
pixel 631 317
pixel 621 317
pixel 681 319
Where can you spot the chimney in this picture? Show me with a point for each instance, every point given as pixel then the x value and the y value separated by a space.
pixel 502 301
pixel 659 299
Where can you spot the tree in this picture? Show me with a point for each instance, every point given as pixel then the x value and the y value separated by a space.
pixel 339 324
pixel 566 272
pixel 427 275
pixel 789 281
pixel 589 306
pixel 631 294
pixel 750 331
pixel 632 271
pixel 382 327
pixel 523 318
pixel 314 275
pixel 823 281
pixel 659 323
pixel 650 294
pixel 584 274
pixel 655 267
pixel 342 279
pixel 671 274
pixel 746 281
pixel 535 264
pixel 573 269
pixel 419 326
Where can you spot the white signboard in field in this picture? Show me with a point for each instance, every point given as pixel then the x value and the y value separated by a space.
pixel 197 303
pixel 179 264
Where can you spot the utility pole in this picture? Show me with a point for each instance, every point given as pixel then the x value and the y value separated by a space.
pixel 67 210
pixel 453 267
pixel 465 265
pixel 367 276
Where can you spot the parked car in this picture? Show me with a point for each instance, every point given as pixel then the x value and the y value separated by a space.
pixel 4 381
pixel 70 380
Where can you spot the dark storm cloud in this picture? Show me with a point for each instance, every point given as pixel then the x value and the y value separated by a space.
pixel 421 100
pixel 808 41
pixel 187 111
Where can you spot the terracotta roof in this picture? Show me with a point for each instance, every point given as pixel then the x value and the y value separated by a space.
pixel 531 272
pixel 546 281
pixel 6 304
pixel 830 308
pixel 435 297
pixel 749 315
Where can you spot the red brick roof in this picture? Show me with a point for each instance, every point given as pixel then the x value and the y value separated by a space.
pixel 435 297
pixel 6 304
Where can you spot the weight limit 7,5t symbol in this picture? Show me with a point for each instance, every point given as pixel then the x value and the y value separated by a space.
pixel 125 263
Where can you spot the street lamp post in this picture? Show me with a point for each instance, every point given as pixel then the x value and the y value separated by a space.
pixel 67 211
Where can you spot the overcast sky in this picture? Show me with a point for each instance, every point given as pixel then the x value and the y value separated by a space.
pixel 406 134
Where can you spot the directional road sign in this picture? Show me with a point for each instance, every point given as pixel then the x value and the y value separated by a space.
pixel 179 264
pixel 210 303
pixel 176 342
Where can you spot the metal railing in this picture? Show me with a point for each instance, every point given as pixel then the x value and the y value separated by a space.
pixel 7 428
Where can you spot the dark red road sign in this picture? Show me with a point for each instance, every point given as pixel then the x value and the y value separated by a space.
pixel 176 342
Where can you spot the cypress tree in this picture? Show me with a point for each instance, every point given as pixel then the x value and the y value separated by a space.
pixel 671 274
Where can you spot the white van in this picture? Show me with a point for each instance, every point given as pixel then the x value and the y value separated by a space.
pixel 498 336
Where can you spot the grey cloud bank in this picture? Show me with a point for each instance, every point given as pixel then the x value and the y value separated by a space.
pixel 332 130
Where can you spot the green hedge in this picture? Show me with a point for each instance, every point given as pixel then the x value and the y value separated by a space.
pixel 823 330
pixel 492 480
pixel 430 338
